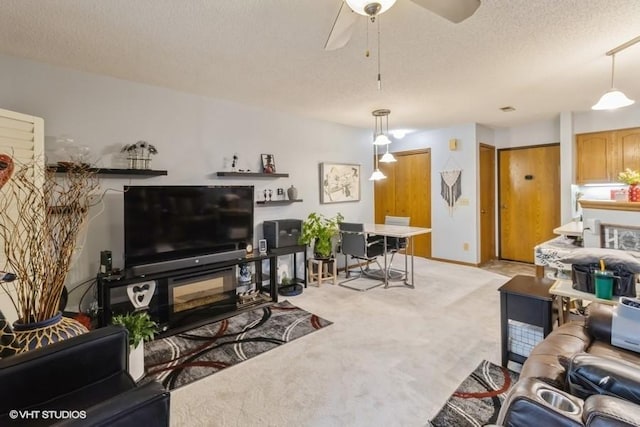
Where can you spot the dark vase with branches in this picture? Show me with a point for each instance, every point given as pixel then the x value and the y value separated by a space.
pixel 41 218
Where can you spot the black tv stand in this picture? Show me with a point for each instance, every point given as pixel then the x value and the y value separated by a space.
pixel 184 298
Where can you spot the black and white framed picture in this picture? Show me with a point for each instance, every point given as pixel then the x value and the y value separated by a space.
pixel 339 182
pixel 624 237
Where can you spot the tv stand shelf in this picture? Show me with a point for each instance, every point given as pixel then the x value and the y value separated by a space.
pixel 253 174
pixel 181 299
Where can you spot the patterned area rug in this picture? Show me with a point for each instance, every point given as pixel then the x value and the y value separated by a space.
pixel 186 357
pixel 477 400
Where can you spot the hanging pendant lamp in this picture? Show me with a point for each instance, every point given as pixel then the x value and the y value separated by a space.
pixel 380 138
pixel 613 98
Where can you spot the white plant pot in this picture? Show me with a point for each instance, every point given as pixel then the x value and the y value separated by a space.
pixel 136 361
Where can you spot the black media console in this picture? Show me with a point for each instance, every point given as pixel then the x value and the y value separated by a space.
pixel 188 297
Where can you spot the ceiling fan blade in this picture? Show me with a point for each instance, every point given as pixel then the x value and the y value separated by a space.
pixel 453 10
pixel 342 28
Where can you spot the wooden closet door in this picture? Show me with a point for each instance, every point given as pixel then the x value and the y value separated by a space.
pixel 407 192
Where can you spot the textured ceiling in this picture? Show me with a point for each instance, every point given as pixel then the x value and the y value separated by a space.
pixel 540 56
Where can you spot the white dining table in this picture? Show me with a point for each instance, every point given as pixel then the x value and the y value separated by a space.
pixel 399 231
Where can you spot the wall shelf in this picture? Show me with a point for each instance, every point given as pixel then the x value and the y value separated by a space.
pixel 276 202
pixel 113 171
pixel 253 174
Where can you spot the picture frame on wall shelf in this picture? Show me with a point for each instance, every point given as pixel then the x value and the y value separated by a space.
pixel 268 163
pixel 339 182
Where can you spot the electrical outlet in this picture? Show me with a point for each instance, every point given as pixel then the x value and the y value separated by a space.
pixel 465 246
pixel 463 202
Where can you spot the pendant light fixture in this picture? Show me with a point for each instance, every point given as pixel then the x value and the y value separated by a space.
pixel 614 98
pixel 380 138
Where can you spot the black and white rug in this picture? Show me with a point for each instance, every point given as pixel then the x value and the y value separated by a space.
pixel 186 357
pixel 478 399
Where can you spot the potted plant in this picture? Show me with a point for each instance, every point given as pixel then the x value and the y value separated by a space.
pixel 41 217
pixel 141 328
pixel 632 178
pixel 318 231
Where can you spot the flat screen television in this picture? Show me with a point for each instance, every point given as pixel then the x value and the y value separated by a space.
pixel 172 223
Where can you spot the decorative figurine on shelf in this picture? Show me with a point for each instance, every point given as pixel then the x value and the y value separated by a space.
pixel 265 194
pixel 270 194
pixel 245 273
pixel 268 163
pixel 234 163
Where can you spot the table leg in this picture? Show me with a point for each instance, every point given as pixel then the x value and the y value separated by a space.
pixel 410 242
pixel 386 269
pixel 504 328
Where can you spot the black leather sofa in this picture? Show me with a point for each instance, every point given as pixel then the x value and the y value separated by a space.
pixel 82 381
pixel 575 377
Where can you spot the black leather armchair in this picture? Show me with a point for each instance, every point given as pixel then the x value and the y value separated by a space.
pixel 82 381
pixel 575 377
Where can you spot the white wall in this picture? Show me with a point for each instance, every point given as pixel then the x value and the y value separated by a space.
pixel 536 133
pixel 594 121
pixel 451 232
pixel 194 135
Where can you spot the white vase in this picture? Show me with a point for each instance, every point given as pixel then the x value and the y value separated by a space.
pixel 136 361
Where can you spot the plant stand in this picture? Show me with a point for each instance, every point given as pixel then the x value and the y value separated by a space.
pixel 320 270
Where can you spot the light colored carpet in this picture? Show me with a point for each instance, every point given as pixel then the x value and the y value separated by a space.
pixel 391 358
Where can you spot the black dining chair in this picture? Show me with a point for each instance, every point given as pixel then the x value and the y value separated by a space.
pixel 355 243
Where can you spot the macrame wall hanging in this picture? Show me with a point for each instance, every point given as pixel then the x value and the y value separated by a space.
pixel 451 187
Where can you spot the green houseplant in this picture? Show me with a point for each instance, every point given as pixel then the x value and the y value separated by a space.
pixel 141 328
pixel 318 231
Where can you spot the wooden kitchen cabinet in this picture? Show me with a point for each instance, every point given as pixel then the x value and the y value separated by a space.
pixel 601 156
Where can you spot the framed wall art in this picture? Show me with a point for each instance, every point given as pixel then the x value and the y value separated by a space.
pixel 268 163
pixel 624 237
pixel 339 182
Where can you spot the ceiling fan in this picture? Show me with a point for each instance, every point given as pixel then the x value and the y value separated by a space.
pixel 452 10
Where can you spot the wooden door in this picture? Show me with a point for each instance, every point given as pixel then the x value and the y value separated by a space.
pixel 407 192
pixel 529 199
pixel 487 203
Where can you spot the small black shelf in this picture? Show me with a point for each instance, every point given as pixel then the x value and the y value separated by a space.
pixel 276 202
pixel 113 171
pixel 253 174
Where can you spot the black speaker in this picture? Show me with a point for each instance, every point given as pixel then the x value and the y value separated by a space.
pixel 105 262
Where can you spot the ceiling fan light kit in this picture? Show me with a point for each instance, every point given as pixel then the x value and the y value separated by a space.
pixel 370 8
pixel 454 11
pixel 614 98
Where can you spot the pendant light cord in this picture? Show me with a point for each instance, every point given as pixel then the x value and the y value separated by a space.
pixel 613 68
pixel 379 76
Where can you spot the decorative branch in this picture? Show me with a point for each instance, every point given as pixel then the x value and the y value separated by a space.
pixel 40 220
